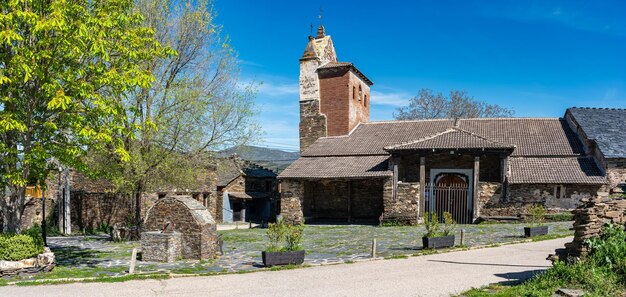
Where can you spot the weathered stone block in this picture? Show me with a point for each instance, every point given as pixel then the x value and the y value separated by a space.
pixel 161 247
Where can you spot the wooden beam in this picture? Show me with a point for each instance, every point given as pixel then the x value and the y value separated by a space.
pixel 394 162
pixel 422 195
pixel 476 212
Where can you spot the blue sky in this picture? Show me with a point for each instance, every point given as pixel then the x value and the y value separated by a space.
pixel 535 57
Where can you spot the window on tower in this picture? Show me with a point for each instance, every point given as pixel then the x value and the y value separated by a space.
pixel 360 93
pixel 353 93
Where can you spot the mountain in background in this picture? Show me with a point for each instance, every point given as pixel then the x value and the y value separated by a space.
pixel 271 158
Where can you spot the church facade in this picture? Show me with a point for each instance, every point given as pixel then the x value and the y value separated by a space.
pixel 353 170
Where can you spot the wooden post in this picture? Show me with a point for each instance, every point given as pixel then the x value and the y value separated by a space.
pixel 373 254
pixel 133 261
pixel 476 211
pixel 504 165
pixel 395 178
pixel 462 236
pixel 422 196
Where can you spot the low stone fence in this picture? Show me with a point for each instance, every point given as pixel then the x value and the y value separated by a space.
pixel 43 262
pixel 589 218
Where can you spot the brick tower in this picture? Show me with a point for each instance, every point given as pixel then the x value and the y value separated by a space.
pixel 334 96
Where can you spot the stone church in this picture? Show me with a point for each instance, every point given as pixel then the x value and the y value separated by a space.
pixel 353 170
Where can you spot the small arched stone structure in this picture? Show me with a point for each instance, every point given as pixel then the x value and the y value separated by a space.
pixel 189 217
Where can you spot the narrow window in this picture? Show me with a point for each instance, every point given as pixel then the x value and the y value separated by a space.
pixel 559 191
pixel 360 93
pixel 365 100
pixel 353 93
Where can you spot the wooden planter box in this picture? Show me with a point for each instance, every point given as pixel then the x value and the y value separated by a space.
pixel 535 231
pixel 438 242
pixel 282 258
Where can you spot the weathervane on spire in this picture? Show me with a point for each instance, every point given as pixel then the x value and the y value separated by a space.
pixel 321 32
pixel 321 15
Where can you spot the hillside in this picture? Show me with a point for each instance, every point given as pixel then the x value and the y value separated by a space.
pixel 270 158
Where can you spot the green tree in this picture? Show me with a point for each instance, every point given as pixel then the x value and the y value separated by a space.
pixel 65 67
pixel 196 104
pixel 428 105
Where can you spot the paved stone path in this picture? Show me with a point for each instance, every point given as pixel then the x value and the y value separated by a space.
pixel 432 275
pixel 86 256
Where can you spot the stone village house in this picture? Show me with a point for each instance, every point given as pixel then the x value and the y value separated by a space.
pixel 354 170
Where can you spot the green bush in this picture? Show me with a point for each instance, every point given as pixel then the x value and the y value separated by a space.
pixel 284 237
pixel 15 247
pixel 431 223
pixel 448 224
pixel 536 215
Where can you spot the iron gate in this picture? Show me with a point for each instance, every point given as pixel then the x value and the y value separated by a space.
pixel 449 198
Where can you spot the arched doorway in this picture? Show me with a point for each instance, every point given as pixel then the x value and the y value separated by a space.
pixel 449 193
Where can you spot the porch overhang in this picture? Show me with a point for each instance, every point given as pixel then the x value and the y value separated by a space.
pixel 454 139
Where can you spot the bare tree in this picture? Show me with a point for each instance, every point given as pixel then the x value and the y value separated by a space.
pixel 195 105
pixel 428 105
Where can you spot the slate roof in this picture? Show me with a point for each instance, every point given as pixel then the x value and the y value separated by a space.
pixel 230 168
pixel 606 126
pixel 451 139
pixel 570 170
pixel 248 195
pixel 338 167
pixel 531 136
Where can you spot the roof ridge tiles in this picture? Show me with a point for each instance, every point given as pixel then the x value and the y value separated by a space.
pixel 462 119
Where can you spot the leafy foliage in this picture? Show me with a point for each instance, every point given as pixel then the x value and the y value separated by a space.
pixel 284 237
pixel 536 215
pixel 428 105
pixel 15 247
pixel 448 224
pixel 65 69
pixel 431 223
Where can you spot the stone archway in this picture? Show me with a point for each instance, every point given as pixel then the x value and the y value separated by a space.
pixel 191 218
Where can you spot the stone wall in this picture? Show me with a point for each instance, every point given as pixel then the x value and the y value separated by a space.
pixel 616 174
pixel 291 196
pixel 44 262
pixel 191 219
pixel 520 196
pixel 161 246
pixel 408 169
pixel 589 218
pixel 312 123
pixel 489 198
pixel 404 207
pixel 90 210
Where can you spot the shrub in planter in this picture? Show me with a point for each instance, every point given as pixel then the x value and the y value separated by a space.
pixel 284 244
pixel 434 239
pixel 535 221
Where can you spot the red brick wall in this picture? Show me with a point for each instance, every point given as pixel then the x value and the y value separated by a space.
pixel 343 109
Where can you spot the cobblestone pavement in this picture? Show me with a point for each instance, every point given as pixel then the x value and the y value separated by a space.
pixel 85 256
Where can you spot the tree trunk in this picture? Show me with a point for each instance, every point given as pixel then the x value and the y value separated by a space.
pixel 13 207
pixel 138 192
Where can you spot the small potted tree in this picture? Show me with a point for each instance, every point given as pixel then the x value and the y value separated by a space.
pixel 535 218
pixel 433 239
pixel 284 244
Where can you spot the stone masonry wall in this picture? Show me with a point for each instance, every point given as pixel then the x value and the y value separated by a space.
pixel 616 174
pixel 404 207
pixel 312 123
pixel 522 195
pixel 191 219
pixel 589 218
pixel 291 196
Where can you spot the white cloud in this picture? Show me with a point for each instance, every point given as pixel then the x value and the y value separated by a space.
pixel 393 98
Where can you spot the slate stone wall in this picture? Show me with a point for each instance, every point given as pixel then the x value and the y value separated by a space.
pixel 589 218
pixel 312 123
pixel 616 175
pixel 191 218
pixel 161 247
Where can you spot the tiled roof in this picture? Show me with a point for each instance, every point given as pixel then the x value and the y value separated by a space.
pixel 333 65
pixel 337 167
pixel 606 126
pixel 231 168
pixel 572 170
pixel 531 136
pixel 451 139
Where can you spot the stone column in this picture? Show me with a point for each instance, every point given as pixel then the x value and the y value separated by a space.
pixel 422 195
pixel 475 199
pixel 291 196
